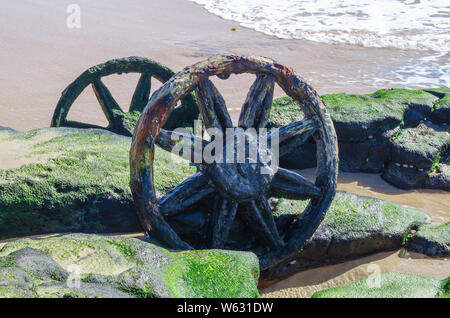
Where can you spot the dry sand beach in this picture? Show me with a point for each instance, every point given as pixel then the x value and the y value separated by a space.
pixel 40 56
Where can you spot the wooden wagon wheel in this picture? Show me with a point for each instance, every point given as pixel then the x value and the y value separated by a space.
pixel 234 184
pixel 118 120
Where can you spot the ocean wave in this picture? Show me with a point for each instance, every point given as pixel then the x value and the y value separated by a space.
pixel 403 24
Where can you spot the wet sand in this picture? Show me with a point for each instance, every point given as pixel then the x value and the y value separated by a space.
pixel 306 283
pixel 434 203
pixel 40 55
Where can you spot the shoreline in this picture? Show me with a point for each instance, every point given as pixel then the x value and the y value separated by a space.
pixel 44 56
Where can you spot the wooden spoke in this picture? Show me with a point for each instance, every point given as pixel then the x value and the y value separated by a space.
pixel 266 212
pixel 257 222
pixel 293 135
pixel 185 194
pixel 167 140
pixel 307 126
pixel 290 182
pixel 141 93
pixel 223 217
pixel 294 143
pixel 182 116
pixel 212 106
pixel 77 124
pixel 257 105
pixel 106 101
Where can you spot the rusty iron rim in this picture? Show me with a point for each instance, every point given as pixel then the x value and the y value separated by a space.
pixel 195 78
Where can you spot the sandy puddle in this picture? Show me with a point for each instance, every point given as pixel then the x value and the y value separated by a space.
pixel 306 283
pixel 435 203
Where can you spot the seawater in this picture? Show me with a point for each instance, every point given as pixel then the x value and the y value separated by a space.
pixel 420 25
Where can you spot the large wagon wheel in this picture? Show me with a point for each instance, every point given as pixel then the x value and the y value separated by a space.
pixel 118 120
pixel 236 184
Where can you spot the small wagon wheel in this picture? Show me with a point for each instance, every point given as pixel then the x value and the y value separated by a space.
pixel 117 119
pixel 234 184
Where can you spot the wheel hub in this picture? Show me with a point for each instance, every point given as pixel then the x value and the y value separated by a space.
pixel 244 172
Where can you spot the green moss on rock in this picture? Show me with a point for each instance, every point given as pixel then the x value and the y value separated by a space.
pixel 441 111
pixel 431 239
pixel 356 117
pixel 15 283
pixel 84 290
pixel 440 90
pixel 74 180
pixel 445 286
pixel 284 111
pixel 420 146
pixel 354 226
pixel 129 120
pixel 114 266
pixel 215 273
pixel 377 132
pixel 391 285
pixel 350 214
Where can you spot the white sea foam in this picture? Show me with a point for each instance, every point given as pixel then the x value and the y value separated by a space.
pixel 404 24
pixel 422 25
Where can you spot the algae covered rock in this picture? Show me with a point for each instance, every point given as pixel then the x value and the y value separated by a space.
pixel 354 226
pixel 82 265
pixel 420 146
pixel 72 180
pixel 358 117
pixel 431 239
pixel 441 109
pixel 36 263
pixel 415 157
pixel 390 285
pixel 385 131
pixel 77 180
pixel 14 282
pixel 439 175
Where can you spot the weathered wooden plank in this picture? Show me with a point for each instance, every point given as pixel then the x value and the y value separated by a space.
pixel 191 146
pixel 222 219
pixel 266 212
pixel 254 219
pixel 141 93
pixel 187 193
pixel 256 108
pixel 290 182
pixel 212 106
pixel 106 101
